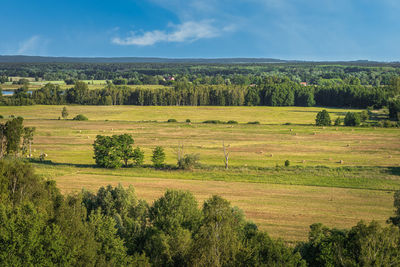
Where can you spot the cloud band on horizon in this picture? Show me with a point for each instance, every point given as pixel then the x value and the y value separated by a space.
pixel 189 31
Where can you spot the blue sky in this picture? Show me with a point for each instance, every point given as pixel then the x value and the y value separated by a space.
pixel 286 29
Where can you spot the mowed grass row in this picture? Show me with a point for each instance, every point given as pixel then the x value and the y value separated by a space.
pixel 265 115
pixel 361 165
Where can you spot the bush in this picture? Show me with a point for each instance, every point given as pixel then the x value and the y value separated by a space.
pixel 364 115
pixel 80 117
pixel 171 120
pixel 323 118
pixel 138 156
pixel 188 120
pixel 188 162
pixel 287 163
pixel 387 124
pixel 394 109
pixel 1 117
pixel 158 157
pixel 232 122
pixel 338 121
pixel 253 122
pixel 352 119
pixel 213 121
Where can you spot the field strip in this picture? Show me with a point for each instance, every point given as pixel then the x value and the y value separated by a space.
pixel 285 211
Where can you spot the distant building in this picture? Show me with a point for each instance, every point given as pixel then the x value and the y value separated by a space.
pixel 171 78
pixel 303 83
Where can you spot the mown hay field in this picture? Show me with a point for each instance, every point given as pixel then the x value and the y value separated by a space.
pixel 337 175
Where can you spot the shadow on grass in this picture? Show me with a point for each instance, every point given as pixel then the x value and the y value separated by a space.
pixel 165 167
pixel 51 163
pixel 394 170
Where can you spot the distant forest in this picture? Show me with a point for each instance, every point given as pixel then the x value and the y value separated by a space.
pixel 368 84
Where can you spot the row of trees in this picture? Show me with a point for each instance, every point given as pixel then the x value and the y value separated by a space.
pixel 351 119
pixel 112 227
pixel 271 91
pixel 368 73
pixel 117 150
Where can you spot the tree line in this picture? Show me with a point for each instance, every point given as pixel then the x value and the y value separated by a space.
pixel 271 91
pixel 112 227
pixel 365 73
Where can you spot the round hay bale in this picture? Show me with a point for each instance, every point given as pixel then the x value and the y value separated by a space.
pixel 341 161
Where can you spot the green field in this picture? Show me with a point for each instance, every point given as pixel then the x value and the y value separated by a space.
pixel 92 84
pixel 337 176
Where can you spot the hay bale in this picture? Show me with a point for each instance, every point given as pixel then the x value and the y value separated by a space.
pixel 271 155
pixel 341 161
pixel 291 130
pixel 304 161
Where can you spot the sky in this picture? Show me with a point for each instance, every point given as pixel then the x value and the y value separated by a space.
pixel 284 29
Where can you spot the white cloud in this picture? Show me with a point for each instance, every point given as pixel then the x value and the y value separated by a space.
pixel 29 46
pixel 186 32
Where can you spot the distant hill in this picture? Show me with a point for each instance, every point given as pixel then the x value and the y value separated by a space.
pixel 40 59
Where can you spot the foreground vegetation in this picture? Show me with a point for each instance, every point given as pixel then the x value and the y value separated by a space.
pixel 39 226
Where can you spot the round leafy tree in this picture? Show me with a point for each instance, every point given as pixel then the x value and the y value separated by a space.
pixel 323 118
pixel 352 119
pixel 158 157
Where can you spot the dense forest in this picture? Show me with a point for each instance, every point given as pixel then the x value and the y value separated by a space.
pixel 112 227
pixel 362 86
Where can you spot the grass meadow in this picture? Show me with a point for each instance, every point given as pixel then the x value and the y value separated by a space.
pixel 92 84
pixel 337 175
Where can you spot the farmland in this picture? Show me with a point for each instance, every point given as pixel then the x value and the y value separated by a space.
pixel 337 175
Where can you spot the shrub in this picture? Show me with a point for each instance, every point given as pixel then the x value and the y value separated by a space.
pixel 352 119
pixel 394 109
pixel 64 113
pixel 188 162
pixel 188 120
pixel 138 156
pixel 1 117
pixel 253 122
pixel 171 120
pixel 80 117
pixel 387 124
pixel 323 118
pixel 287 163
pixel 364 115
pixel 232 122
pixel 338 121
pixel 213 121
pixel 158 157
